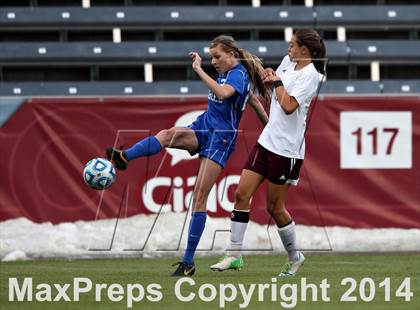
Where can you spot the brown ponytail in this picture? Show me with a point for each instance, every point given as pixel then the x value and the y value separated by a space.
pixel 251 62
pixel 316 46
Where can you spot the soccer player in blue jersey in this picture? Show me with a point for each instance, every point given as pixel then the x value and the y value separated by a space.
pixel 213 134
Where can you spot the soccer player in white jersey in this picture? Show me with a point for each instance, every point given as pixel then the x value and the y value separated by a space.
pixel 278 155
pixel 212 135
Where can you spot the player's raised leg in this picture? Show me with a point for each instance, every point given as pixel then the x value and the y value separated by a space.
pixel 207 175
pixel 276 196
pixel 248 184
pixel 176 137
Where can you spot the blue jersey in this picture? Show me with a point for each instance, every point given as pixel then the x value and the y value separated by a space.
pixel 216 129
pixel 226 114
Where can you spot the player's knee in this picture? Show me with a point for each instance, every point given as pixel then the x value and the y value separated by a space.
pixel 275 210
pixel 165 136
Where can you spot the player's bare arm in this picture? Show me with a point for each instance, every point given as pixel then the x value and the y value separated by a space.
pixel 258 108
pixel 287 103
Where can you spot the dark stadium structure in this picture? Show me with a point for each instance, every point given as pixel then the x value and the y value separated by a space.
pixel 123 47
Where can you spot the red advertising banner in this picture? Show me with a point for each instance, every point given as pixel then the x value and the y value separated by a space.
pixel 361 167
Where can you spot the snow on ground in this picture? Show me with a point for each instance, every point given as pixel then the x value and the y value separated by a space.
pixel 141 235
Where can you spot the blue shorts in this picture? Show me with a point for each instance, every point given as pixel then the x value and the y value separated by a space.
pixel 214 144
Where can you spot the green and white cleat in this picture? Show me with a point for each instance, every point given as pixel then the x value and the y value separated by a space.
pixel 290 268
pixel 228 262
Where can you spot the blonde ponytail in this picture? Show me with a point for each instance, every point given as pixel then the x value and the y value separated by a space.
pixel 255 69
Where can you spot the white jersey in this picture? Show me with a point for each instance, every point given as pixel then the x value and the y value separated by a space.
pixel 284 134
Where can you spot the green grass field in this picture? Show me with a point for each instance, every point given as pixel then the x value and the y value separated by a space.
pixel 258 270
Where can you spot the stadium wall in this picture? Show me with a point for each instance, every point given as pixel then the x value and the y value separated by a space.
pixel 361 170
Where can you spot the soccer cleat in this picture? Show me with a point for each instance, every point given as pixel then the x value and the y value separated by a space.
pixel 228 262
pixel 183 270
pixel 290 268
pixel 117 157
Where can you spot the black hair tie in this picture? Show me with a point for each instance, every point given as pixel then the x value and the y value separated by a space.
pixel 277 83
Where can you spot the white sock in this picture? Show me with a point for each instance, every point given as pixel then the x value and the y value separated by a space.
pixel 288 238
pixel 238 223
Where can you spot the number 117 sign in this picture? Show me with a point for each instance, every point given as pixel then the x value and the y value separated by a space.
pixel 372 140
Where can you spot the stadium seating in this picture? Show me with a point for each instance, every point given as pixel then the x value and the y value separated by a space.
pixel 166 52
pixel 163 88
pixel 162 17
pixel 212 16
pixel 356 87
pixel 66 44
pixel 401 86
pixel 373 16
pixel 141 52
pixel 385 51
pixel 189 88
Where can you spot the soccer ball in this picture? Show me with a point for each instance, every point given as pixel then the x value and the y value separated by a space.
pixel 99 173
